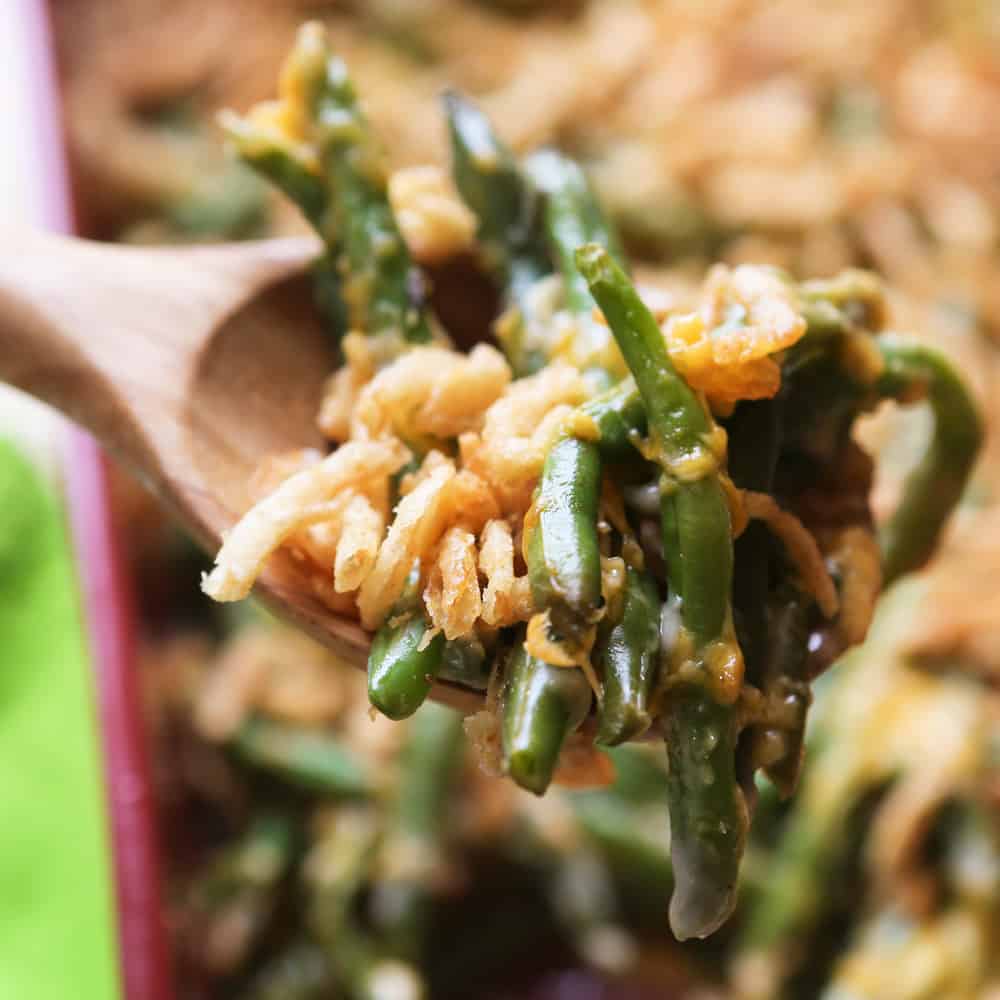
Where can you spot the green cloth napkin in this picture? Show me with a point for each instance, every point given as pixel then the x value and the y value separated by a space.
pixel 57 938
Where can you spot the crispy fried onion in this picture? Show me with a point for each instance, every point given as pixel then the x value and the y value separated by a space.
pixel 302 499
pixel 725 347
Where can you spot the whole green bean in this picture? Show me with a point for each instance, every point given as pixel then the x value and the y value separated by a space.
pixel 506 205
pixel 708 812
pixel 311 759
pixel 562 548
pixel 382 288
pixel 628 659
pixel 937 483
pixel 542 705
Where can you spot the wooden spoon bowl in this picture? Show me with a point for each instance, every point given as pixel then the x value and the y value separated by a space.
pixel 191 366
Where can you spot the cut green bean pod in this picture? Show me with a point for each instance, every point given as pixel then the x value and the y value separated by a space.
pixel 310 759
pixel 935 486
pixel 708 811
pixel 628 660
pixel 542 706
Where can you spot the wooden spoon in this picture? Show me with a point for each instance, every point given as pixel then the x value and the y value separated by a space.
pixel 190 365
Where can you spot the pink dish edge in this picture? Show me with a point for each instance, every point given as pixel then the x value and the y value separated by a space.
pixel 106 597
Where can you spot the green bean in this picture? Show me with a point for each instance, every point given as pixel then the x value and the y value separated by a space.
pixel 505 205
pixel 708 812
pixel 572 218
pixel 382 288
pixel 562 550
pixel 937 483
pixel 620 419
pixel 400 673
pixel 280 163
pixel 284 166
pixel 629 658
pixel 542 705
pixel 311 759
